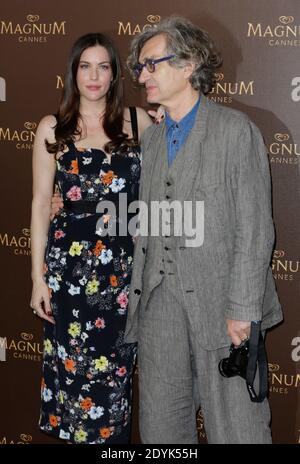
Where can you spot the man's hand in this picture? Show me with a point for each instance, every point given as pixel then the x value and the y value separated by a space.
pixel 56 204
pixel 238 331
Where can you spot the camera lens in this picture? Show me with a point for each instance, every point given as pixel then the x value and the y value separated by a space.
pixel 224 369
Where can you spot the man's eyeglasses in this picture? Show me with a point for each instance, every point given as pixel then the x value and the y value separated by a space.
pixel 150 64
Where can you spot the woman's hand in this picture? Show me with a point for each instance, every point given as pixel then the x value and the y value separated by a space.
pixel 40 301
pixel 158 115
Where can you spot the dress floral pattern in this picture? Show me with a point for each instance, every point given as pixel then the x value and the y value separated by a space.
pixel 87 368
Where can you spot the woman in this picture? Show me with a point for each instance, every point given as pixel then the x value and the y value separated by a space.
pixel 81 280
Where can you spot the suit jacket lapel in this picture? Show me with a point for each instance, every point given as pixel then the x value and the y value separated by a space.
pixel 193 151
pixel 153 148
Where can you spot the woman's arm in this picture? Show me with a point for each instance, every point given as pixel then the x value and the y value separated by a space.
pixel 43 165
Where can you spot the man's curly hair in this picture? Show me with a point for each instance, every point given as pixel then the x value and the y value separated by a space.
pixel 189 43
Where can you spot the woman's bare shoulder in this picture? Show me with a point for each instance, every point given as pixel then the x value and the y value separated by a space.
pixel 46 127
pixel 143 118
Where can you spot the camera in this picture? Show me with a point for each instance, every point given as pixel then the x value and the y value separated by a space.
pixel 236 363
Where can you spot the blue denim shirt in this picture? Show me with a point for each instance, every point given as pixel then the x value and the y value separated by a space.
pixel 177 132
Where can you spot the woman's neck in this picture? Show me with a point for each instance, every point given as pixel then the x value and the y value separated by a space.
pixel 92 110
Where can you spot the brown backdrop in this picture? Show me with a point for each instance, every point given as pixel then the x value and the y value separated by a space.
pixel 260 43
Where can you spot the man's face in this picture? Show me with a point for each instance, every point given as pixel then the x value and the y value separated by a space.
pixel 165 84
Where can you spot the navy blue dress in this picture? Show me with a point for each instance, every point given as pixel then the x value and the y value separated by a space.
pixel 87 367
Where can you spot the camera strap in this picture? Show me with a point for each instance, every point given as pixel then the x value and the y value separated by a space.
pixel 257 358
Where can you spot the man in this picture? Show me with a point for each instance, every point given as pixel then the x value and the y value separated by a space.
pixel 188 304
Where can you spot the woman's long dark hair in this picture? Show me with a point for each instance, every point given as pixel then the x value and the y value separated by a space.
pixel 67 127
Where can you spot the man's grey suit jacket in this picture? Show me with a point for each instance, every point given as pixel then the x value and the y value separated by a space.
pixel 227 168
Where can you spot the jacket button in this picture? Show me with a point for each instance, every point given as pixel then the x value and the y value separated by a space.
pixel 137 291
pixel 168 184
pixel 167 197
pixel 161 272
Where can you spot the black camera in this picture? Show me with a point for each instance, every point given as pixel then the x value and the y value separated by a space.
pixel 236 363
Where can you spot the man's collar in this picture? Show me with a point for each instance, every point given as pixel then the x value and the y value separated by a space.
pixel 186 119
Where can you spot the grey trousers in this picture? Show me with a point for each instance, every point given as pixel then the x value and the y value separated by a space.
pixel 176 376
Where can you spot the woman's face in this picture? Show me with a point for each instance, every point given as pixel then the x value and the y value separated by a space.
pixel 94 73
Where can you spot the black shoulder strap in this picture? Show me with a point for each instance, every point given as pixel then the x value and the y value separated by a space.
pixel 134 124
pixel 257 358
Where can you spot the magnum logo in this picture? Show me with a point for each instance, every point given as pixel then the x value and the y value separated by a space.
pixel 281 382
pixel 25 347
pixel 20 244
pixel 286 33
pixel 283 268
pixel 23 138
pixel 24 439
pixel 131 29
pixel 59 82
pixel 223 90
pixel 282 150
pixel 33 30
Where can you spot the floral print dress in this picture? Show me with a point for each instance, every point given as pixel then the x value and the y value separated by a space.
pixel 87 367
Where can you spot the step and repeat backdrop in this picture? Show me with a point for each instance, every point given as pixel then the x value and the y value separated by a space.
pixel 260 44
